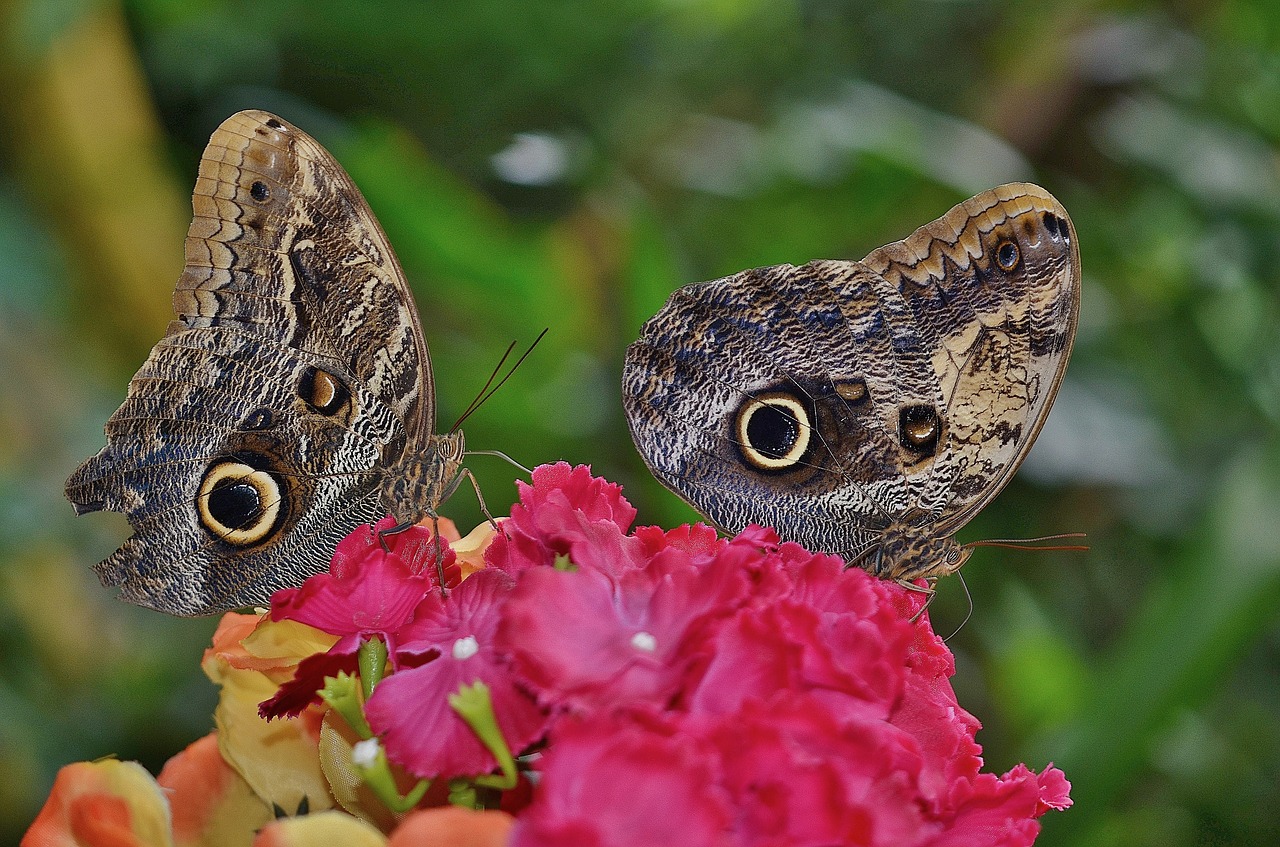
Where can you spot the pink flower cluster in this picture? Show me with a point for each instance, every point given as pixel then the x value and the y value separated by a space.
pixel 677 687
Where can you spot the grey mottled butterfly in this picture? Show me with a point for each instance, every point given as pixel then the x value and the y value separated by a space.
pixel 866 408
pixel 291 400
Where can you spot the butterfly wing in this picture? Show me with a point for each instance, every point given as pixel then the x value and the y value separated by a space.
pixel 823 400
pixel 255 435
pixel 283 245
pixel 757 399
pixel 995 285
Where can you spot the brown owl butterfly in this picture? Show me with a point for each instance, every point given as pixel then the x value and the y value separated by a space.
pixel 868 408
pixel 290 402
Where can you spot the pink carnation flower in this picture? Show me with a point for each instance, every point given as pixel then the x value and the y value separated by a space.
pixel 681 688
pixel 745 678
pixel 566 512
pixel 627 779
pixel 370 591
pixel 411 710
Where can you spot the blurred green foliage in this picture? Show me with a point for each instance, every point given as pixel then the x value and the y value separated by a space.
pixel 568 164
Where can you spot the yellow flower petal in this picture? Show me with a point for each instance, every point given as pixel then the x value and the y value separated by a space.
pixel 279 760
pixel 326 829
pixel 470 550
pixel 286 642
pixel 212 805
pixel 346 783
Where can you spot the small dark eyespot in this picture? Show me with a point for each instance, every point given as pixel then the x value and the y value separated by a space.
pixel 919 428
pixel 1051 223
pixel 259 419
pixel 1008 256
pixel 323 391
pixel 274 124
pixel 259 191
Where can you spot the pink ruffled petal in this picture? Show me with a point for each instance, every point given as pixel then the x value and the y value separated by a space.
pixel 459 633
pixel 378 593
pixel 625 782
pixel 1055 791
pixel 425 736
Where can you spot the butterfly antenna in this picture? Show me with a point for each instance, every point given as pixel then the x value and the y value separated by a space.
pixel 490 387
pixel 1026 543
pixel 1012 544
pixel 481 394
pixel 500 455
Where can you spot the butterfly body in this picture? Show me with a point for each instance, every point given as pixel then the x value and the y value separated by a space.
pixel 907 552
pixel 865 408
pixel 427 476
pixel 290 401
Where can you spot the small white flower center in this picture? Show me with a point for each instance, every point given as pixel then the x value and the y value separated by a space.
pixel 365 753
pixel 644 641
pixel 465 648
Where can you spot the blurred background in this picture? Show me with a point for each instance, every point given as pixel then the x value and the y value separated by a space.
pixel 568 164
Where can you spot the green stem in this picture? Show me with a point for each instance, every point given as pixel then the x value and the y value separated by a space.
pixel 473 705
pixel 372 658
pixel 376 772
pixel 341 695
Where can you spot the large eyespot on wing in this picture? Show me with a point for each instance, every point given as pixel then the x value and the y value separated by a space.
pixel 242 500
pixel 996 283
pixel 752 398
pixel 283 245
pixel 774 431
pixel 239 463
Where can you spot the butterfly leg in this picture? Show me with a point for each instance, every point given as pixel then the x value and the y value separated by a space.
pixel 435 537
pixel 484 507
pixel 382 535
pixel 921 589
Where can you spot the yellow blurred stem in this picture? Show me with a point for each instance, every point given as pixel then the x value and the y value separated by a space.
pixel 90 149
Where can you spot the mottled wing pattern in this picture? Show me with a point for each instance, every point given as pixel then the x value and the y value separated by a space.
pixel 999 336
pixel 840 402
pixel 284 245
pixel 294 373
pixel 812 333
